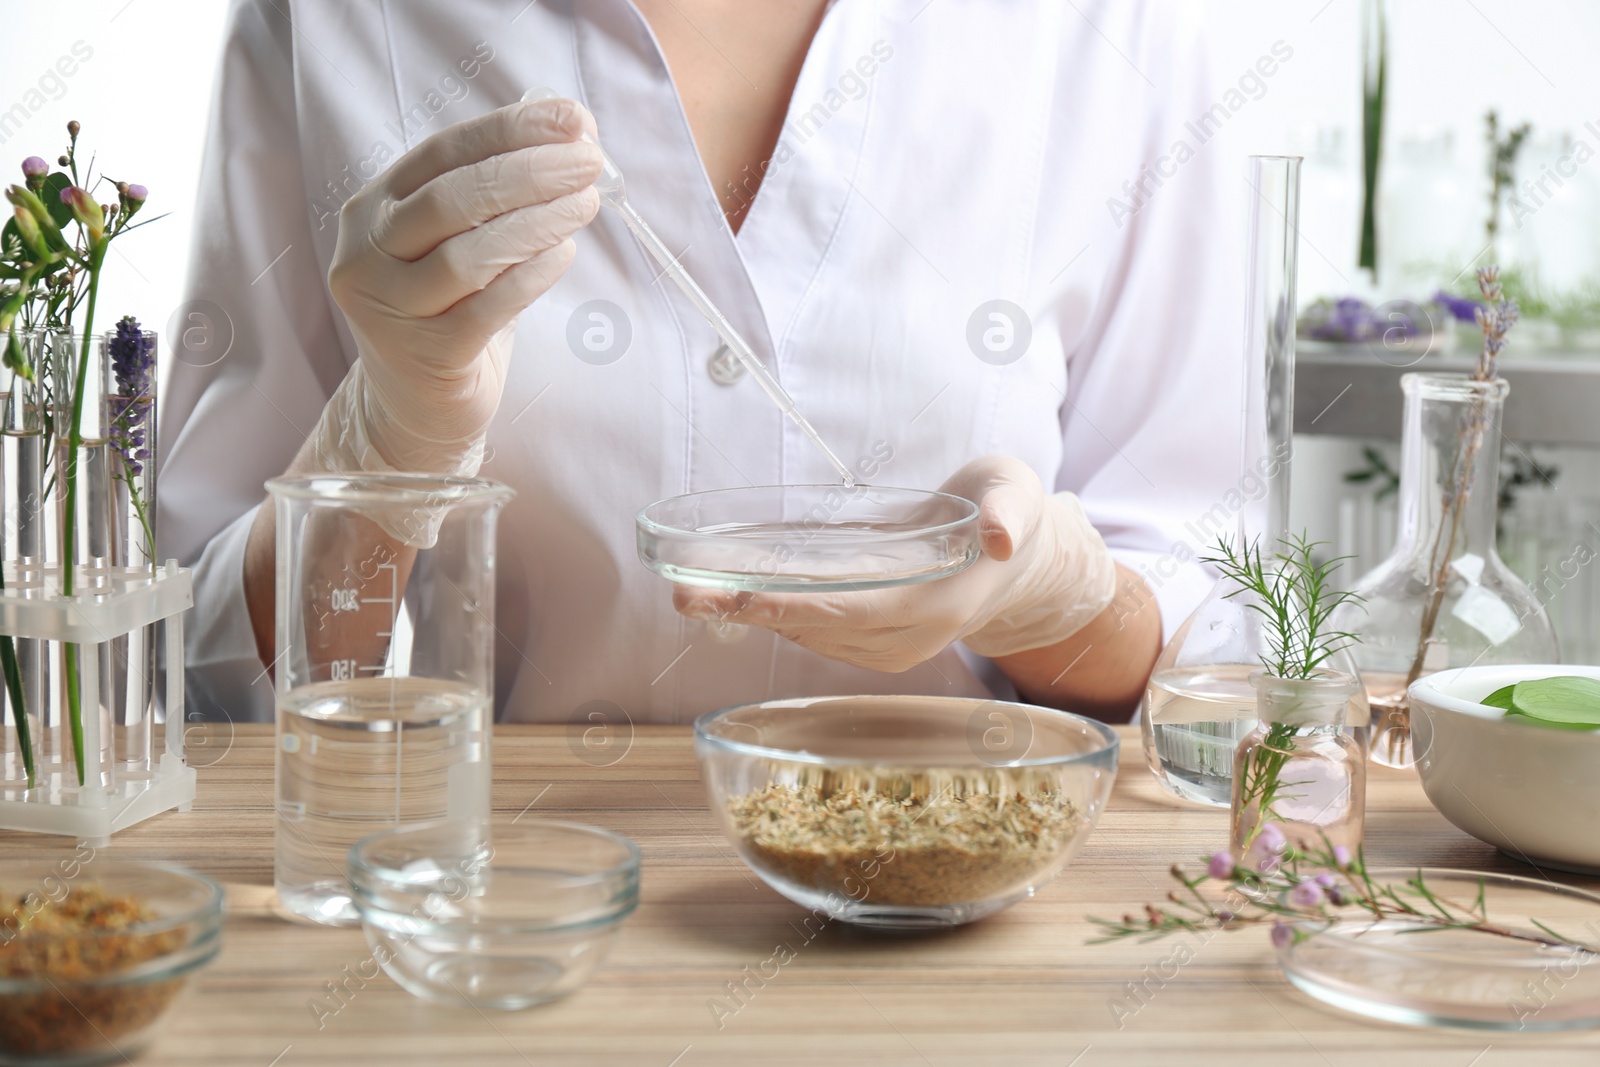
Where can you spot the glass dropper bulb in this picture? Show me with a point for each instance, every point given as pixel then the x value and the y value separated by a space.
pixel 613 193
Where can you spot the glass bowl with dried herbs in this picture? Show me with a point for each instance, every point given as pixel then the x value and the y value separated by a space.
pixel 94 951
pixel 905 811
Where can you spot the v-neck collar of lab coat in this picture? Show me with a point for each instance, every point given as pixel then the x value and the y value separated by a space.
pixel 761 276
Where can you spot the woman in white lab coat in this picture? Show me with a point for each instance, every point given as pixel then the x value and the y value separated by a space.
pixel 938 222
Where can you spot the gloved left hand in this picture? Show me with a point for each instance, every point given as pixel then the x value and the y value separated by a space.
pixel 1044 574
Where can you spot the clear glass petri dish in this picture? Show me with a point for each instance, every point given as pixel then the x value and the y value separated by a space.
pixel 1408 973
pixel 808 538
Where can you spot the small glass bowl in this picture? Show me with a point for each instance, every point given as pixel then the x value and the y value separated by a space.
pixel 92 997
pixel 503 915
pixel 905 811
pixel 816 538
pixel 1388 970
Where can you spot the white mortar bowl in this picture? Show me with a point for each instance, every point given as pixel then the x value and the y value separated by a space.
pixel 1531 791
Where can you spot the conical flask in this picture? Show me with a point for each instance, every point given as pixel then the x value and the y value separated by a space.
pixel 1199 703
pixel 1443 598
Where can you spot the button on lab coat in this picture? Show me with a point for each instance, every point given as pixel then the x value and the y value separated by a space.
pixel 953 252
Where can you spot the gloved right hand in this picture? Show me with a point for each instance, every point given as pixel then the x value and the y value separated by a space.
pixel 435 260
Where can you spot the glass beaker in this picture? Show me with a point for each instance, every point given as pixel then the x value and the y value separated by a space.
pixel 384 667
pixel 1298 769
pixel 1443 598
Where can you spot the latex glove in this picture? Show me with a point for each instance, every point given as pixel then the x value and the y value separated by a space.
pixel 1044 574
pixel 435 260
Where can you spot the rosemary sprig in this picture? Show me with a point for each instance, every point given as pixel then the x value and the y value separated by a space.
pixel 1294 594
pixel 1296 598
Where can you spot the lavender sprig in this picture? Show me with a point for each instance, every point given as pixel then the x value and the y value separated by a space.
pixel 1495 318
pixel 133 360
pixel 1303 893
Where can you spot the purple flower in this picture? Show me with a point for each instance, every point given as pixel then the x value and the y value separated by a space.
pixel 133 361
pixel 1306 895
pixel 1326 880
pixel 1341 856
pixel 34 169
pixel 138 194
pixel 1272 838
pixel 1352 320
pixel 1221 865
pixel 1282 935
pixel 1225 916
pixel 1461 308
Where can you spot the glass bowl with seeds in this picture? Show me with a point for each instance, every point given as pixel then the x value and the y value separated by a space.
pixel 905 811
pixel 95 951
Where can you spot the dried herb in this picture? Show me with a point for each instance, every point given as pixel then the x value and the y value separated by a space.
pixel 920 839
pixel 78 950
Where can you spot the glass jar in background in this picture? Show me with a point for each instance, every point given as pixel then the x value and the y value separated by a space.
pixel 1431 213
pixel 384 669
pixel 1550 221
pixel 1443 598
pixel 1297 768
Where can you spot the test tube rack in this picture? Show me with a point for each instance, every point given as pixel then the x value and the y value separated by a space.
pixel 109 603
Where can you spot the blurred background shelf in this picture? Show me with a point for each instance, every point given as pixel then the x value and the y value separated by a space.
pixel 1554 400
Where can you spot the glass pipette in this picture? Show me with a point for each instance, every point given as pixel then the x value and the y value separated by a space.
pixel 613 194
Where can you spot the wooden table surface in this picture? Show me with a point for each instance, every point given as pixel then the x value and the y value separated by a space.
pixel 1020 988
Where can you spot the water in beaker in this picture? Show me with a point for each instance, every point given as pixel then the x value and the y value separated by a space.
pixel 384 668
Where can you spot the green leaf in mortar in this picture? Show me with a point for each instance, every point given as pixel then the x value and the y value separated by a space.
pixel 1500 698
pixel 1568 700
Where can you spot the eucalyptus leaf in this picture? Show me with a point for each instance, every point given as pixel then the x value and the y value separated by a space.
pixel 1567 699
pixel 51 195
pixel 1500 698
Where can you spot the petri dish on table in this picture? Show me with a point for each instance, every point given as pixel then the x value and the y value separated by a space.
pixel 808 538
pixel 1402 972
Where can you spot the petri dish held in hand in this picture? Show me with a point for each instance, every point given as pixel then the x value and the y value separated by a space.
pixel 808 538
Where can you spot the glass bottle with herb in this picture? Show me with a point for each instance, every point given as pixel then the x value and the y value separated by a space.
pixel 1297 777
pixel 1298 769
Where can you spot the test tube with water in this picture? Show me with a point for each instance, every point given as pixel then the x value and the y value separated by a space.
pixel 613 193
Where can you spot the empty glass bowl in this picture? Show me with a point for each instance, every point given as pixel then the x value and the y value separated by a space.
pixel 905 811
pixel 504 915
pixel 94 952
pixel 819 538
pixel 1405 972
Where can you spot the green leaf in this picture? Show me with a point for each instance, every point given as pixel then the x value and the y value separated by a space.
pixel 1565 699
pixel 1500 698
pixel 51 195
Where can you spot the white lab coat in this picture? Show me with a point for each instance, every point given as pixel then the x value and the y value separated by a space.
pixel 936 157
